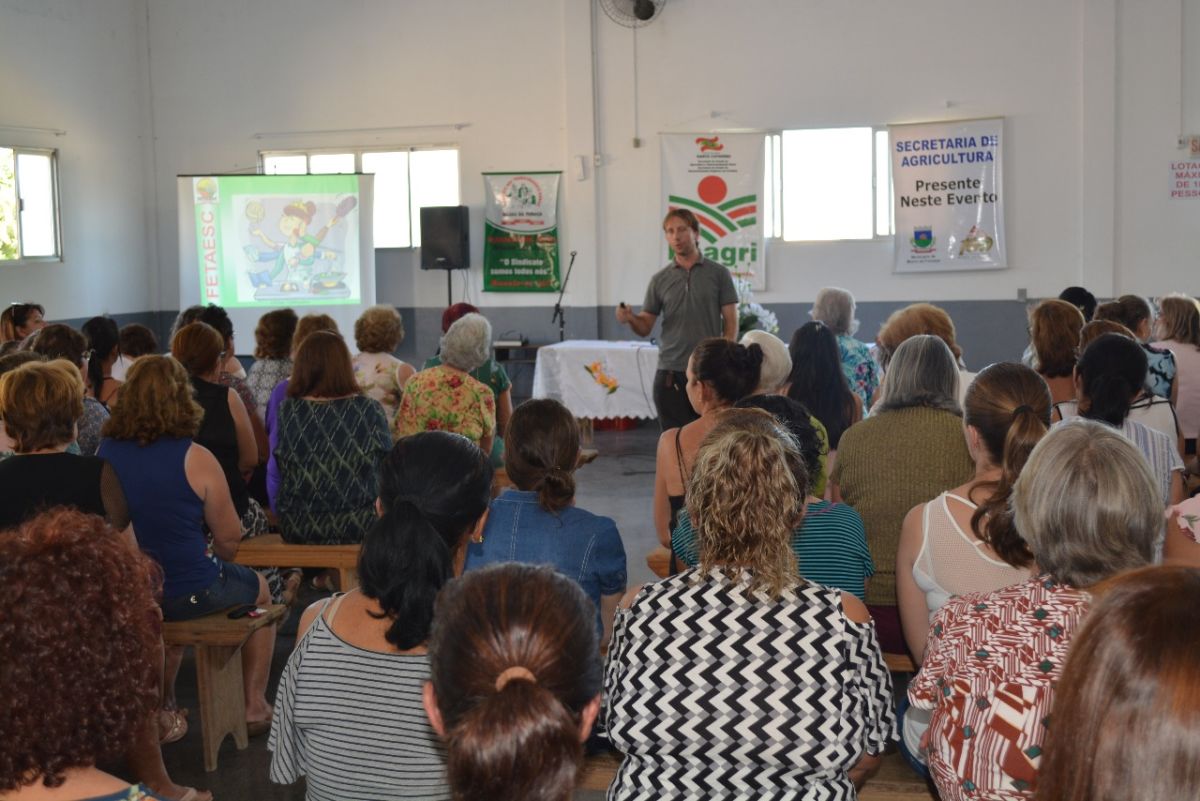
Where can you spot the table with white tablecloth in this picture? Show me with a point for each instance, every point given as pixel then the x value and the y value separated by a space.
pixel 598 379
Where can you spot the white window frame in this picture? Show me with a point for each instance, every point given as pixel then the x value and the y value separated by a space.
pixel 57 256
pixel 358 152
pixel 773 187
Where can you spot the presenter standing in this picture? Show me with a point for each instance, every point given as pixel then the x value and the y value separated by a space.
pixel 697 299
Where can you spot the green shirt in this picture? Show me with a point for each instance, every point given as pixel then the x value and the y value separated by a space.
pixel 689 302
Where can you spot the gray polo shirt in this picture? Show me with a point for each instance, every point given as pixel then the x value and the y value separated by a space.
pixel 689 303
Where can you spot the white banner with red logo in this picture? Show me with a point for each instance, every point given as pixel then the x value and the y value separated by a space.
pixel 719 178
pixel 949 199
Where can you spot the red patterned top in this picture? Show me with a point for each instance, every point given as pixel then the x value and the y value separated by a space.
pixel 989 674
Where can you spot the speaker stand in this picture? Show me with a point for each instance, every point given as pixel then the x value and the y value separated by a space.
pixel 449 289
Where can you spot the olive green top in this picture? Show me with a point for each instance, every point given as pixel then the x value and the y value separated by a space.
pixel 889 463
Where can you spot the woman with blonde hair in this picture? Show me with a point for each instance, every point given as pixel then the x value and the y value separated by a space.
pixel 176 489
pixel 1087 507
pixel 377 332
pixel 695 645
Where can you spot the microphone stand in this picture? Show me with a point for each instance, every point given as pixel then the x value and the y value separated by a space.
pixel 558 307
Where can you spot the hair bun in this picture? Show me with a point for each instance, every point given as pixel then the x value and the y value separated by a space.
pixel 753 354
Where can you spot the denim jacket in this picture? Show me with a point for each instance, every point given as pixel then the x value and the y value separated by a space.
pixel 580 545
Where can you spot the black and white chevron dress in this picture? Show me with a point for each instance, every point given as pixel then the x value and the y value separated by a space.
pixel 715 693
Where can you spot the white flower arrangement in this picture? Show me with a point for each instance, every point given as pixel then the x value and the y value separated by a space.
pixel 751 314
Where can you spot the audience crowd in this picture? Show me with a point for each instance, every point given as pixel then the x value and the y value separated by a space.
pixel 1014 553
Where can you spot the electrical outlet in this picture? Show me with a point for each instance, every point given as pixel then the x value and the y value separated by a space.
pixel 1022 294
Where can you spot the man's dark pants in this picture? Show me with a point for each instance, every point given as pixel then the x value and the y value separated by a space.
pixel 671 400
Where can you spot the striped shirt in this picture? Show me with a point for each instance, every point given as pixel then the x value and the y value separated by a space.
pixel 830 547
pixel 1161 452
pixel 352 721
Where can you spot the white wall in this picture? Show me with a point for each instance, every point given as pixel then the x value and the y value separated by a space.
pixel 79 67
pixel 1091 91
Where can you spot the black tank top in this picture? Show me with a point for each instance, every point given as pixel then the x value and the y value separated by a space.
pixel 34 483
pixel 218 434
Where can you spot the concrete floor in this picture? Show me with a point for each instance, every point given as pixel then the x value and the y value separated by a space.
pixel 620 484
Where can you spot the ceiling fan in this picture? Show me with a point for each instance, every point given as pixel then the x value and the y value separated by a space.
pixel 633 13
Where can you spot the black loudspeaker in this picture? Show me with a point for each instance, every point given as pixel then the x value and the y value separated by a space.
pixel 444 241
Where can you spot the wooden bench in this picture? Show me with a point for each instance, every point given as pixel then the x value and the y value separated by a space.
pixel 895 780
pixel 218 642
pixel 270 550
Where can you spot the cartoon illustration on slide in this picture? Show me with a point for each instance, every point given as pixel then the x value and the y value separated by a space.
pixel 300 264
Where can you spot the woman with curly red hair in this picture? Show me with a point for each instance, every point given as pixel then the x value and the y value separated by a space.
pixel 78 688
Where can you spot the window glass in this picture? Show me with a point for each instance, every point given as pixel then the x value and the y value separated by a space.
pixel 828 190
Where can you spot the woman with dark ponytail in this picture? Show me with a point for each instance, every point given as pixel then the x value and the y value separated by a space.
pixel 348 710
pixel 1109 375
pixel 514 683
pixel 719 374
pixel 964 540
pixel 103 343
pixel 538 522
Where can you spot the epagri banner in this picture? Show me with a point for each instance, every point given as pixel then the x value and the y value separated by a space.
pixel 948 187
pixel 520 232
pixel 719 178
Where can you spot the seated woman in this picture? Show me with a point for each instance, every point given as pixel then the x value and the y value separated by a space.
pixel 40 402
pixel 1087 506
pixel 446 397
pixel 133 342
pixel 773 380
pixel 1126 720
pixel 175 489
pixel 332 439
pixel 225 428
pixel 834 307
pixel 272 355
pixel 361 656
pixel 19 320
pixel 514 683
pixel 917 319
pixel 830 544
pixel 377 332
pixel 1109 376
pixel 964 540
pixel 1178 330
pixel 692 647
pixel 1147 408
pixel 916 420
pixel 103 350
pixel 719 374
pixel 78 688
pixel 231 373
pixel 818 383
pixel 1135 313
pixel 308 324
pixel 491 373
pixel 58 341
pixel 9 362
pixel 538 522
pixel 1182 545
pixel 1054 327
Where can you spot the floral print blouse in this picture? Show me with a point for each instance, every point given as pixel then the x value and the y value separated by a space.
pixel 444 399
pixel 382 377
pixel 859 366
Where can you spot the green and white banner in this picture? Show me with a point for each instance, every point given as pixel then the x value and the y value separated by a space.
pixel 520 232
pixel 948 189
pixel 719 178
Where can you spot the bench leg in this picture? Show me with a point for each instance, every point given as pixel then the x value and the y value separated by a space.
pixel 222 699
pixel 347 578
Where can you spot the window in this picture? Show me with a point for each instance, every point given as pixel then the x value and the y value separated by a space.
pixel 826 184
pixel 405 180
pixel 29 226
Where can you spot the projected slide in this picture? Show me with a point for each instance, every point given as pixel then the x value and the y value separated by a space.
pixel 269 241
